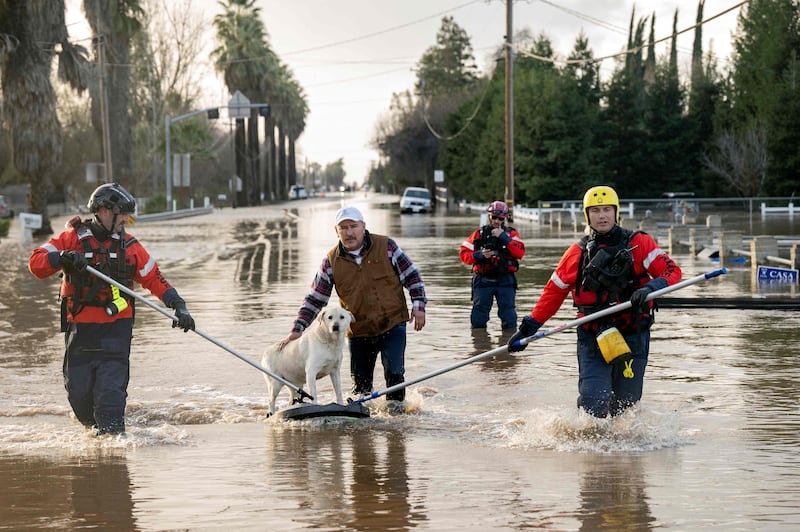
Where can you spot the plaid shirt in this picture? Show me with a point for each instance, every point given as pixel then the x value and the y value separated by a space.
pixel 322 286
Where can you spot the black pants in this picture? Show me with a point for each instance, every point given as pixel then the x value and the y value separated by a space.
pixel 96 372
pixel 364 353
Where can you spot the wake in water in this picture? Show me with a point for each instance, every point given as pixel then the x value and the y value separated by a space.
pixel 59 438
pixel 45 427
pixel 572 430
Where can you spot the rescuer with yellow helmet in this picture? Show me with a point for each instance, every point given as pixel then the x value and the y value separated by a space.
pixel 609 265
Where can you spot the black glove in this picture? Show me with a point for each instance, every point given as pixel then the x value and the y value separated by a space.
pixel 527 327
pixel 638 299
pixel 185 320
pixel 72 261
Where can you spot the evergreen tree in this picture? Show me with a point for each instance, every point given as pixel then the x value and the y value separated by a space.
pixel 704 94
pixel 450 65
pixel 765 87
pixel 668 167
pixel 557 149
pixel 409 138
pixel 623 130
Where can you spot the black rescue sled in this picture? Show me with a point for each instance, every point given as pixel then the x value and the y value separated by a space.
pixel 308 410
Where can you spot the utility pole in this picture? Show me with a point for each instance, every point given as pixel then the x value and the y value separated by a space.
pixel 101 67
pixel 509 60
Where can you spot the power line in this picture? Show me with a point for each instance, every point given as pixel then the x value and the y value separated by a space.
pixel 357 78
pixel 630 50
pixel 587 18
pixel 382 32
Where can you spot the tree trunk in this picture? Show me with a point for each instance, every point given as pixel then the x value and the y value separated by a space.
pixel 273 163
pixel 283 178
pixel 292 163
pixel 115 99
pixel 252 158
pixel 29 101
pixel 240 163
pixel 269 190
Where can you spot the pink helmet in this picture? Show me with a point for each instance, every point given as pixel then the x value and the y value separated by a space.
pixel 498 208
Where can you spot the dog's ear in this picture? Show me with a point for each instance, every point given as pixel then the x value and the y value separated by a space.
pixel 352 318
pixel 321 316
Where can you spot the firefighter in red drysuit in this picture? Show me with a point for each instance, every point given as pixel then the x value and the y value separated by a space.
pixel 97 318
pixel 607 266
pixel 494 252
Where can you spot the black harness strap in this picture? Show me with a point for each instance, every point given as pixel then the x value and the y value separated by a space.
pixel 113 264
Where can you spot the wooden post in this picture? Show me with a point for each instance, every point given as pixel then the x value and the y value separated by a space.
pixel 698 239
pixel 728 240
pixel 677 233
pixel 763 246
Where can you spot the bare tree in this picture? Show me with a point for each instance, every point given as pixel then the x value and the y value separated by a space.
pixel 741 160
pixel 165 78
pixel 114 24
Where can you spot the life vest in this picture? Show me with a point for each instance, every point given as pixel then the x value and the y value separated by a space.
pixel 606 276
pixel 85 289
pixel 501 263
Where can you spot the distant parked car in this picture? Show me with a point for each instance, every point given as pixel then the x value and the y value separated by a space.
pixel 298 192
pixel 415 199
pixel 5 209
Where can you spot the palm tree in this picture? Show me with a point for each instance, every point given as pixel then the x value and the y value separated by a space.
pixel 245 60
pixel 296 113
pixel 29 35
pixel 114 23
pixel 249 65
pixel 291 124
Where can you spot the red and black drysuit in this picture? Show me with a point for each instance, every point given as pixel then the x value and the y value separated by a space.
pixel 602 270
pixel 495 277
pixel 97 357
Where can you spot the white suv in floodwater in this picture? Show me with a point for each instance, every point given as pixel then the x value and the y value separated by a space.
pixel 415 199
pixel 298 192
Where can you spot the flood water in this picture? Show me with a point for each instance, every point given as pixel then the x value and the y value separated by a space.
pixel 496 444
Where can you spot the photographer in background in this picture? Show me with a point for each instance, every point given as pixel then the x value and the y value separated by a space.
pixel 494 252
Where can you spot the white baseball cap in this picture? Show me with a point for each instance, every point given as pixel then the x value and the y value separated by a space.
pixel 349 213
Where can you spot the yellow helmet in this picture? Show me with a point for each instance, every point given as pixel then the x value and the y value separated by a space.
pixel 601 195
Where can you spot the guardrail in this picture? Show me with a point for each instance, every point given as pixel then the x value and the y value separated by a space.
pixel 768 210
pixel 171 215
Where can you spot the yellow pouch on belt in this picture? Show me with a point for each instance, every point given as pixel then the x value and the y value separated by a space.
pixel 613 346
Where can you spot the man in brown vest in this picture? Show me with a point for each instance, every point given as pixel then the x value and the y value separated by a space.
pixel 369 272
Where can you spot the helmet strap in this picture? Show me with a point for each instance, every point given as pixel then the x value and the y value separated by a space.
pixel 103 232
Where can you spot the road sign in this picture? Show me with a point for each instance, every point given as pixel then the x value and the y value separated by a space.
pixel 239 106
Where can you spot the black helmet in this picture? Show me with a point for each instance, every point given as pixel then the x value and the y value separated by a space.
pixel 112 196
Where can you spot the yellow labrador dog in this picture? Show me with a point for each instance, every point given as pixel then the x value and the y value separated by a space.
pixel 318 352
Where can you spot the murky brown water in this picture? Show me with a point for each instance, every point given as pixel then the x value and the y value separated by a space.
pixel 497 444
